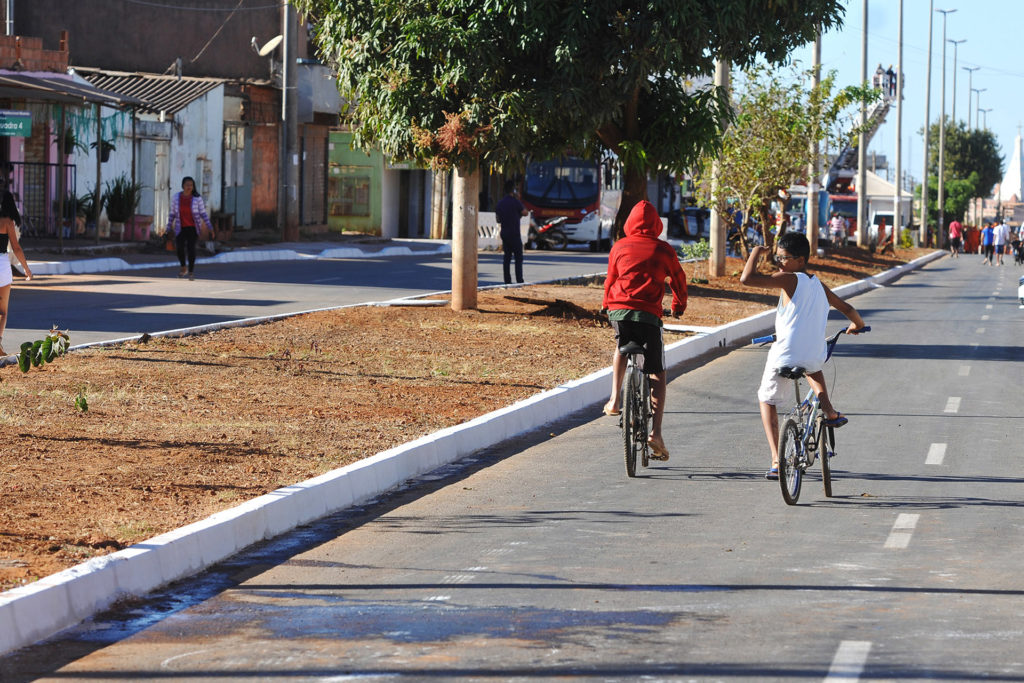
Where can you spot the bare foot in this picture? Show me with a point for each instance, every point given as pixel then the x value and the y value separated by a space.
pixel 657 445
pixel 611 409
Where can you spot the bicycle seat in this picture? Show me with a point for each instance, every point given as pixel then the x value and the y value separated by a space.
pixel 791 372
pixel 631 348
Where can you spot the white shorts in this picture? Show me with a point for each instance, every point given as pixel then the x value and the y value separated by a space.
pixel 774 389
pixel 6 274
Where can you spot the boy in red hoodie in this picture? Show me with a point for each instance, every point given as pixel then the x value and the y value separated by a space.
pixel 638 267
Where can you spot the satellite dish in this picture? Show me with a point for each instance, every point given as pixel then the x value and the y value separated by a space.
pixel 270 46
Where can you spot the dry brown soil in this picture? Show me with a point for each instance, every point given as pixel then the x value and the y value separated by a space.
pixel 177 429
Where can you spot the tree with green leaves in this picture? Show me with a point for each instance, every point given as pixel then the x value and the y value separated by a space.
pixel 462 82
pixel 779 118
pixel 974 165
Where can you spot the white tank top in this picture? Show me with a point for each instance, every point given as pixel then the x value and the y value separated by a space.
pixel 800 327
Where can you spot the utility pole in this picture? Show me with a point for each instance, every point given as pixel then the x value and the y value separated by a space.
pixel 716 264
pixel 897 211
pixel 289 120
pixel 922 235
pixel 942 136
pixel 862 152
pixel 813 168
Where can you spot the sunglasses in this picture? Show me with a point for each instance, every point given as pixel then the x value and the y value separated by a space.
pixel 781 260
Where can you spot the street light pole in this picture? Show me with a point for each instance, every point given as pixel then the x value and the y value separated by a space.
pixel 970 86
pixel 922 237
pixel 985 111
pixel 897 211
pixel 942 134
pixel 956 44
pixel 862 152
pixel 977 104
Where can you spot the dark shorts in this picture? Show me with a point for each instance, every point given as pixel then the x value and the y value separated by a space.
pixel 642 333
pixel 955 243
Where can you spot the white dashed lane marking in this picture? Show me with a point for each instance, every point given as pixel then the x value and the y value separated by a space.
pixel 936 454
pixel 965 370
pixel 902 530
pixel 952 404
pixel 848 664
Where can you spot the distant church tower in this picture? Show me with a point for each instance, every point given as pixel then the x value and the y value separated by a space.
pixel 1011 189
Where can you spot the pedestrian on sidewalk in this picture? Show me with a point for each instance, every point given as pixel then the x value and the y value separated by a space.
pixel 9 220
pixel 188 212
pixel 509 211
pixel 638 267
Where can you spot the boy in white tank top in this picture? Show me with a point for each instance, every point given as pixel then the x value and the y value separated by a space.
pixel 800 332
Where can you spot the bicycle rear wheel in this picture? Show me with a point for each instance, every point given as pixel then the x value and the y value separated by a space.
pixel 790 458
pixel 826 449
pixel 640 438
pixel 629 418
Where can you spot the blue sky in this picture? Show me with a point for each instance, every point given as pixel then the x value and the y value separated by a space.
pixel 991 29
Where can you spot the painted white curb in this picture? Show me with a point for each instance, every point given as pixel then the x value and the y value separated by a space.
pixel 110 264
pixel 38 610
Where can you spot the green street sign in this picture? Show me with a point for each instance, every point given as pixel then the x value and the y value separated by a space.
pixel 15 123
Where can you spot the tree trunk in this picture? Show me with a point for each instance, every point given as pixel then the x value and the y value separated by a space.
pixel 634 191
pixel 766 228
pixel 465 190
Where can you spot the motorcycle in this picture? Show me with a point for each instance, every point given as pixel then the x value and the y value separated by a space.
pixel 547 236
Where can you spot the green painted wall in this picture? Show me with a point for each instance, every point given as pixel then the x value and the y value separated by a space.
pixel 353 187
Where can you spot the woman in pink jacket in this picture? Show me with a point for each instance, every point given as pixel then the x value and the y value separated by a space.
pixel 187 210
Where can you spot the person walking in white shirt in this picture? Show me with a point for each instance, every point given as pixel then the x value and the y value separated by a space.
pixel 1001 237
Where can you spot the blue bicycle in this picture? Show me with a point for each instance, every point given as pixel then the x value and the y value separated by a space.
pixel 804 436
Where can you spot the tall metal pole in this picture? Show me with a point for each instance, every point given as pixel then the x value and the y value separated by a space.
pixel 716 262
pixel 813 170
pixel 984 126
pixel 977 104
pixel 956 44
pixel 942 136
pixel 970 88
pixel 862 152
pixel 289 118
pixel 897 213
pixel 922 235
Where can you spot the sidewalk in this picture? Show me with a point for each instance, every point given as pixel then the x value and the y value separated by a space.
pixel 81 257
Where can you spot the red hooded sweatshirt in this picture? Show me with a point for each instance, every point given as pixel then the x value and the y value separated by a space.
pixel 640 263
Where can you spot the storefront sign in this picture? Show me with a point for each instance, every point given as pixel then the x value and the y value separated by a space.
pixel 15 123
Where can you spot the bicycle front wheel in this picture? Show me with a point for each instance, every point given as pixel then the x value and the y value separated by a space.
pixel 640 438
pixel 826 449
pixel 790 459
pixel 630 418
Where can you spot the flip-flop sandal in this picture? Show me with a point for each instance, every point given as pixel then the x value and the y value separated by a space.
pixel 658 452
pixel 838 421
pixel 611 413
pixel 772 474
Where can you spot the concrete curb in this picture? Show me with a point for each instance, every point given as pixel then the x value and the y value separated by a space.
pixel 110 264
pixel 38 610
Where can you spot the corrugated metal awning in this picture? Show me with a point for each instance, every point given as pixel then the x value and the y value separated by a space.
pixel 169 94
pixel 59 88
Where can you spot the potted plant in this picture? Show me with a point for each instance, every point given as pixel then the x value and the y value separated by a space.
pixel 121 197
pixel 86 206
pixel 71 142
pixel 106 147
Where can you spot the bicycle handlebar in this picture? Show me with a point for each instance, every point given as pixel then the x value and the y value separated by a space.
pixel 831 341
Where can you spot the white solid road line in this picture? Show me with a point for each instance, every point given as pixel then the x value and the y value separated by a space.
pixel 902 530
pixel 848 664
pixel 936 454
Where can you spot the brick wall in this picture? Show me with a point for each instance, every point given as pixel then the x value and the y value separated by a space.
pixel 25 53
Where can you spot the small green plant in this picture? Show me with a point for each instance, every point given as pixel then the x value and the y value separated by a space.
pixel 80 401
pixel 35 354
pixel 121 198
pixel 698 252
pixel 906 239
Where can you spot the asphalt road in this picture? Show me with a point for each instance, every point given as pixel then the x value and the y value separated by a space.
pixel 115 305
pixel 540 559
